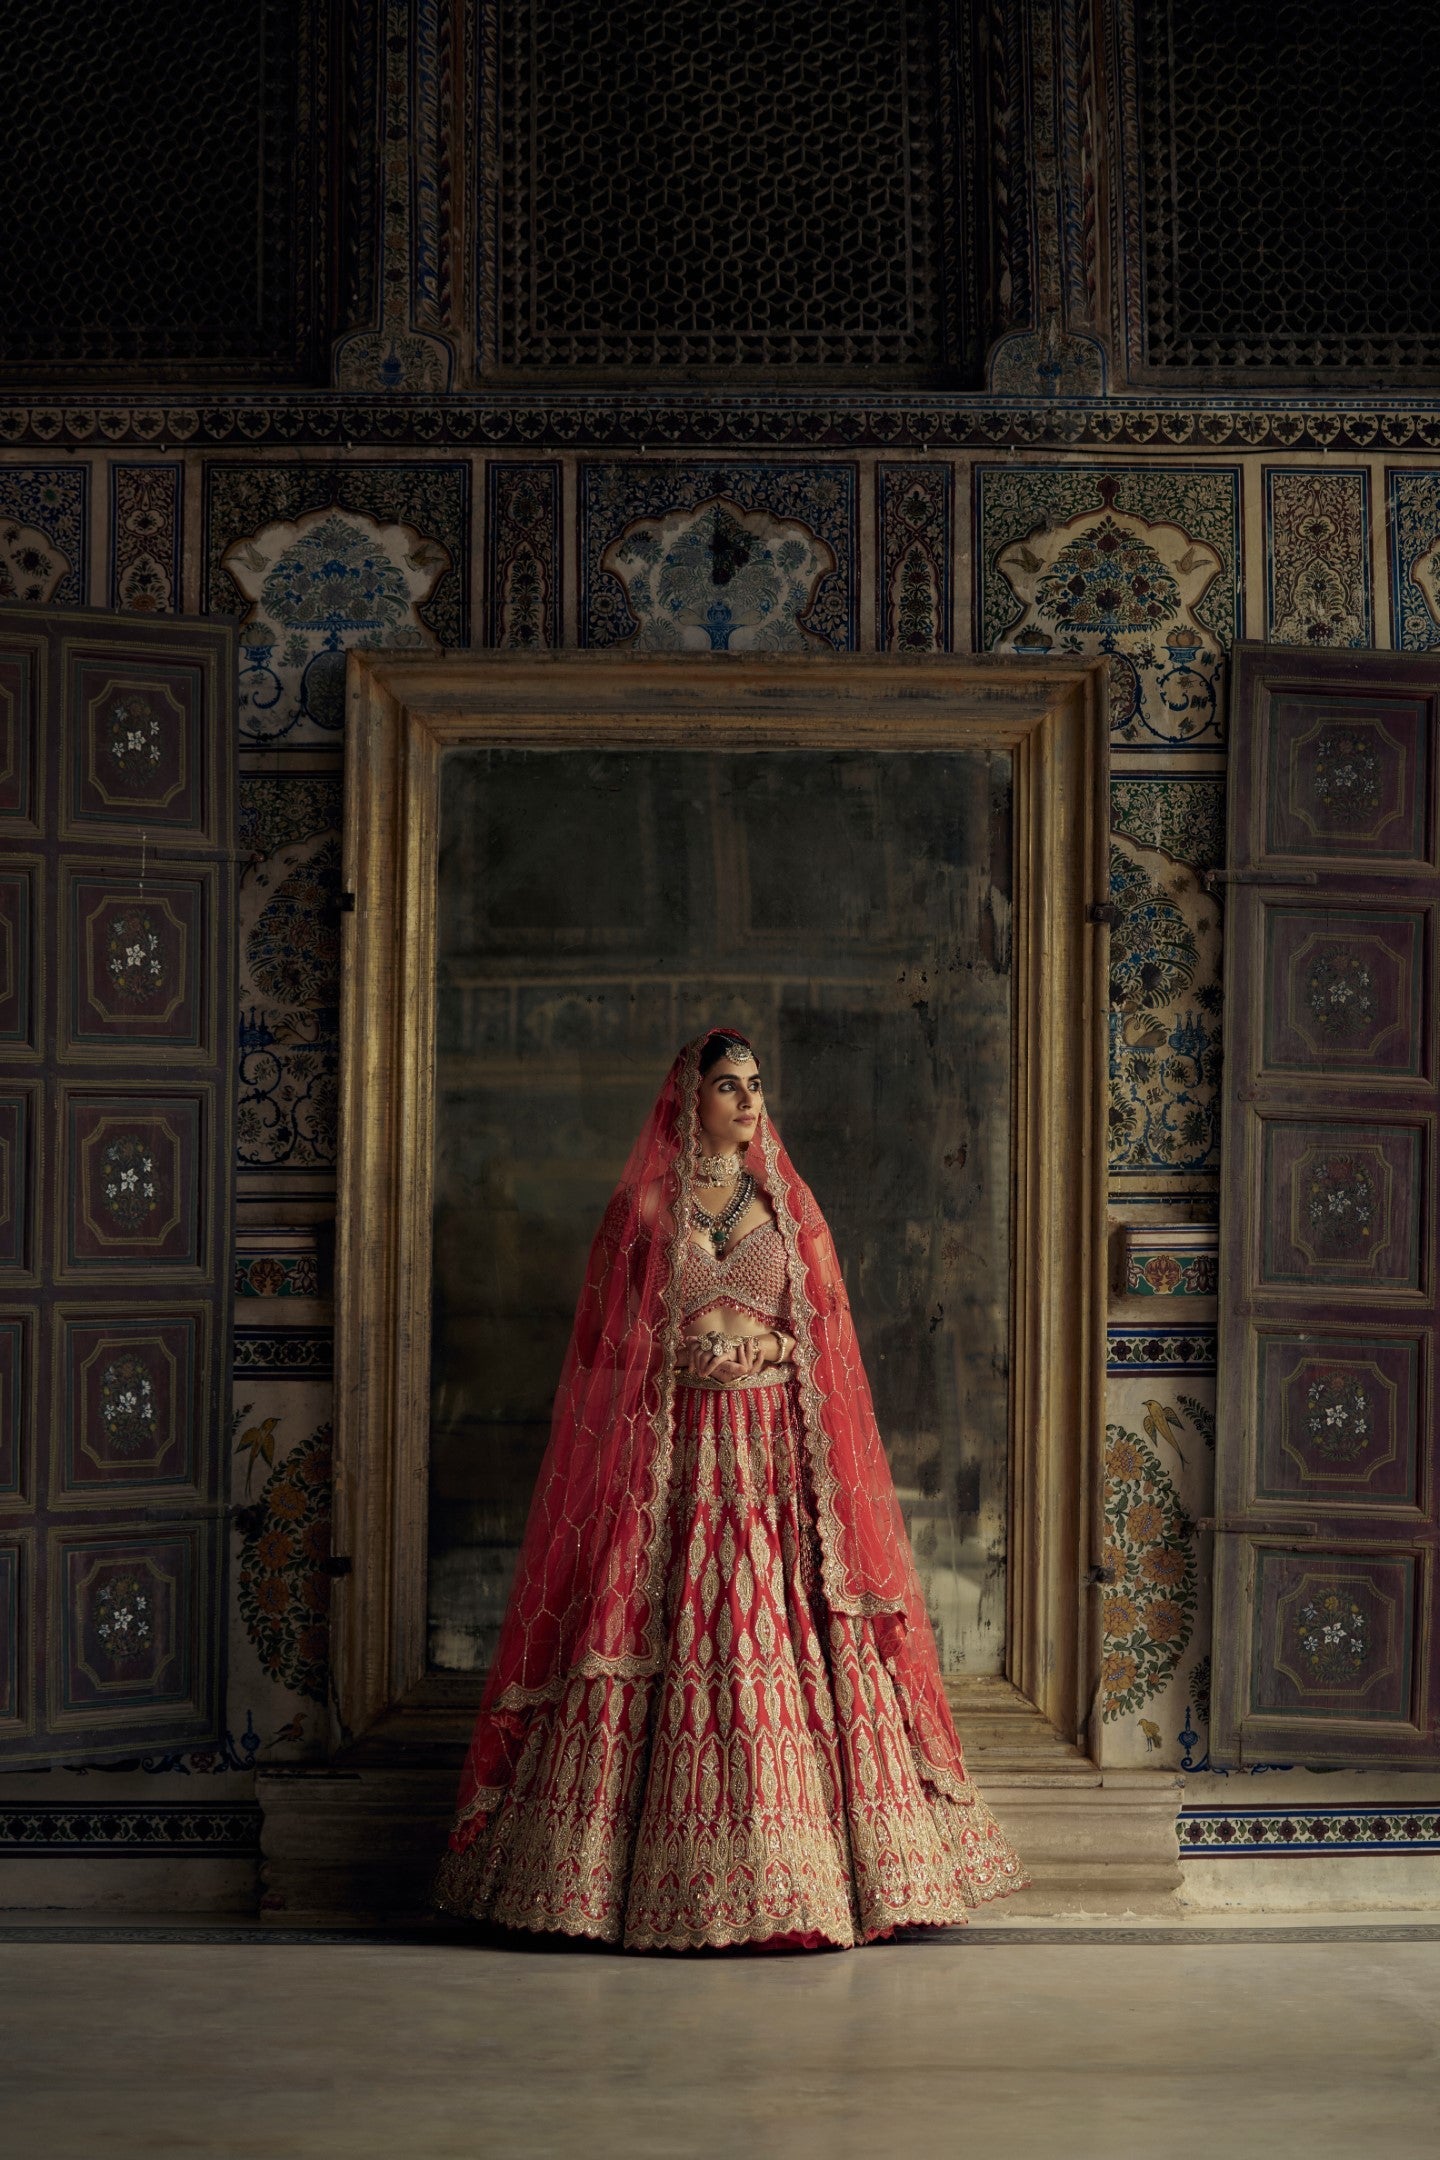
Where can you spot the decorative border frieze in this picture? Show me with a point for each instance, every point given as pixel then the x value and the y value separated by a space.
pixel 284 1353
pixel 277 1264
pixel 714 423
pixel 159 1830
pixel 1159 1350
pixel 1169 1260
pixel 1277 1833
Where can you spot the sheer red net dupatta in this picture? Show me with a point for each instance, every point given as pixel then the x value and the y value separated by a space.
pixel 589 1592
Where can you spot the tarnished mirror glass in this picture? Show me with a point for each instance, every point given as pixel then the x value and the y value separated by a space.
pixel 850 912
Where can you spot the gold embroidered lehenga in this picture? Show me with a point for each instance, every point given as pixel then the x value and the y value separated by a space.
pixel 716 1714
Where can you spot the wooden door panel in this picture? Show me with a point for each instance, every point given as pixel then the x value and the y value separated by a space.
pixel 1349 775
pixel 1326 1519
pixel 125 1625
pixel 1342 1204
pixel 117 991
pixel 22 700
pixel 1329 1652
pixel 1342 1417
pixel 21 917
pixel 17 1637
pixel 133 953
pixel 18 1332
pixel 130 1396
pixel 1346 991
pixel 135 749
pixel 1338 1634
pixel 19 1177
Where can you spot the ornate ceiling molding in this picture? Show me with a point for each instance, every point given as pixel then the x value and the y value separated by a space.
pixel 710 421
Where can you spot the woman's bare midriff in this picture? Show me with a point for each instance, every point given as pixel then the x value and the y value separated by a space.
pixel 725 1320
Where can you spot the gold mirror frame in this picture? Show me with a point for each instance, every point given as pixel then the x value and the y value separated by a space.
pixel 402 714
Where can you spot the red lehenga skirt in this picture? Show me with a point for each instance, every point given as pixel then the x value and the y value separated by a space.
pixel 761 1787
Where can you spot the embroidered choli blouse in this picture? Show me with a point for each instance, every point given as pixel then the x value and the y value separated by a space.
pixel 752 1277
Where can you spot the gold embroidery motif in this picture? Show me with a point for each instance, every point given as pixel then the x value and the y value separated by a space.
pixel 771 1787
pixel 824 1482
pixel 768 1376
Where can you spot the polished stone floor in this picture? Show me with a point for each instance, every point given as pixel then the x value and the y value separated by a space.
pixel 1042 2041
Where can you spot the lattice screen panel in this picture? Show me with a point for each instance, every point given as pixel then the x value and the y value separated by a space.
pixel 677 183
pixel 1289 161
pixel 156 176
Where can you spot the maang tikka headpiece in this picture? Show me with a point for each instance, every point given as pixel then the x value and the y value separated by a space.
pixel 739 1053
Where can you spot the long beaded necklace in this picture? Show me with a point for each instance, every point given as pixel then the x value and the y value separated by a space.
pixel 718 1227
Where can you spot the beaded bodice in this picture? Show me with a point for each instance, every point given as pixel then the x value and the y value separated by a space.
pixel 752 1277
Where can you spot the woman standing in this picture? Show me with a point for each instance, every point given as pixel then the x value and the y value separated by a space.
pixel 716 1714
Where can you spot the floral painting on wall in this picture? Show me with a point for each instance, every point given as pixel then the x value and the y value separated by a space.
pixel 718 558
pixel 1135 564
pixel 1165 1009
pixel 317 587
pixel 1157 1483
pixel 316 558
pixel 281 1446
pixel 289 970
pixel 45 533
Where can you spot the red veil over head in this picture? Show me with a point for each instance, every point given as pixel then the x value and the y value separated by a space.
pixel 589 1593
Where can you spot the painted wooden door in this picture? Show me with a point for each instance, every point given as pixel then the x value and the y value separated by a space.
pixel 1326 1535
pixel 117 1003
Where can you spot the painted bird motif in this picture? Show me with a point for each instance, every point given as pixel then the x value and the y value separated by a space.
pixel 1161 1423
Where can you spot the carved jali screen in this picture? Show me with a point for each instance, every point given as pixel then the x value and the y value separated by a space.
pixel 736 183
pixel 117 999
pixel 1325 1592
pixel 163 165
pixel 1276 236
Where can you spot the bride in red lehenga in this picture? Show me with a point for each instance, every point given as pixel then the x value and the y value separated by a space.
pixel 716 1714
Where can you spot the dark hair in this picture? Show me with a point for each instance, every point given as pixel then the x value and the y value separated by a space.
pixel 719 1046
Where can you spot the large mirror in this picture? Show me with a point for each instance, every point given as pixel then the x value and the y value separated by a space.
pixel 850 911
pixel 888 872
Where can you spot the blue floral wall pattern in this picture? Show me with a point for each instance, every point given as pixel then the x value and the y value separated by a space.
pixel 719 579
pixel 1140 564
pixel 317 587
pixel 317 558
pixel 45 533
pixel 1164 1019
pixel 1317 558
pixel 1165 996
pixel 754 556
pixel 523 553
pixel 1136 565
pixel 915 553
pixel 289 971
pixel 1415 557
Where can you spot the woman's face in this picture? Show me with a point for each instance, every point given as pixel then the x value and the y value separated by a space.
pixel 731 1099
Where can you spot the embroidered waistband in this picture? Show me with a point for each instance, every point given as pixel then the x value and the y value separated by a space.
pixel 768 1376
